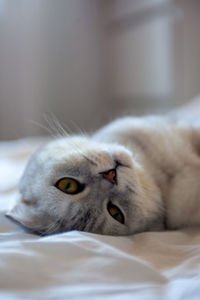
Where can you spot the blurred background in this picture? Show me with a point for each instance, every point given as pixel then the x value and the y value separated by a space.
pixel 88 61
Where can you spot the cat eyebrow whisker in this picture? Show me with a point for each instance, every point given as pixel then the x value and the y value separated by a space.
pixel 79 130
pixel 90 160
pixel 55 125
pixel 49 130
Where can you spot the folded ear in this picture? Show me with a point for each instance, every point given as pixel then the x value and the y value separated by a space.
pixel 25 212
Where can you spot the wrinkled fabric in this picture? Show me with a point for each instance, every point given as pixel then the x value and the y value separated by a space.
pixel 79 265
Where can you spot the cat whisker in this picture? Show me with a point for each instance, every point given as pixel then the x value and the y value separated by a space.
pixel 59 127
pixel 59 131
pixel 55 126
pixel 44 127
pixel 52 228
pixel 79 130
pixel 52 126
pixel 77 147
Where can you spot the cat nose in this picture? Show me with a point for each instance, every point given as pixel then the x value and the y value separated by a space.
pixel 110 175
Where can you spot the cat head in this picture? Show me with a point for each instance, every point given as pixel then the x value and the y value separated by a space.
pixel 74 183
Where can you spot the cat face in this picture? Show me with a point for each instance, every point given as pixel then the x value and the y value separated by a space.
pixel 77 184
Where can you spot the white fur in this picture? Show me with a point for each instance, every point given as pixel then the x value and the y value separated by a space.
pixel 158 182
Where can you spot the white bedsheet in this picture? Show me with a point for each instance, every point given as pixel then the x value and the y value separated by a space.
pixel 77 265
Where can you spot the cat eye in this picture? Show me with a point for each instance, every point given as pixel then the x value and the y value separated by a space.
pixel 115 212
pixel 69 186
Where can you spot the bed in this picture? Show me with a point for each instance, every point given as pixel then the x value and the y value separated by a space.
pixel 79 265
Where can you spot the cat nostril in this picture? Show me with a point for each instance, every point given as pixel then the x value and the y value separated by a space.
pixel 110 175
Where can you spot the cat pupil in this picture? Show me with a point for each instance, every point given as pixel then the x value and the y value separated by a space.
pixel 68 185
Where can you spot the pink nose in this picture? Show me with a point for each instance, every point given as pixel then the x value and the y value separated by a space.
pixel 110 175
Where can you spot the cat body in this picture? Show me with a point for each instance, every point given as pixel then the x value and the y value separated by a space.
pixel 135 174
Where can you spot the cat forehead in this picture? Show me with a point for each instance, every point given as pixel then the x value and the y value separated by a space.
pixel 74 148
pixel 68 154
pixel 73 152
pixel 71 145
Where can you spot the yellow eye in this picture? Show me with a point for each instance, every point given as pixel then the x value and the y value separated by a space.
pixel 115 212
pixel 69 186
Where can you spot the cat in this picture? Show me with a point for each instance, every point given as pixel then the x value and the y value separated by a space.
pixel 135 174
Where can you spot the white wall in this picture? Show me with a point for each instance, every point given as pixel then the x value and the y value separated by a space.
pixel 153 54
pixel 186 49
pixel 88 61
pixel 140 51
pixel 50 61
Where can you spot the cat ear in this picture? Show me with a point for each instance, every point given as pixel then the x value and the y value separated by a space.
pixel 23 213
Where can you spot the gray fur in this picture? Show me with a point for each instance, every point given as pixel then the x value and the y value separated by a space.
pixel 157 179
